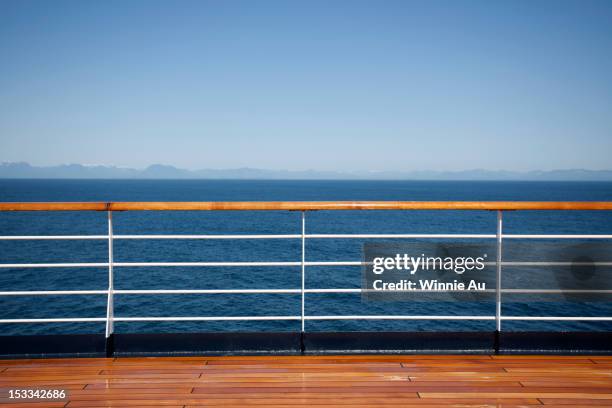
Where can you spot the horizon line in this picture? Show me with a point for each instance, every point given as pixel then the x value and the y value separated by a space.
pixel 348 172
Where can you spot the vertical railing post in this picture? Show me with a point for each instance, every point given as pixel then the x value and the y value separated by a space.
pixel 109 302
pixel 303 266
pixel 498 277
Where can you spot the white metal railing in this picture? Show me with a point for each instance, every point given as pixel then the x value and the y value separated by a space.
pixel 110 318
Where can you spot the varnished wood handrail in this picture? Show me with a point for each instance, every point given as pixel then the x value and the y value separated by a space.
pixel 307 205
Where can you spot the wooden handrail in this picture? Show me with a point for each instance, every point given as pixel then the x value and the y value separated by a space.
pixel 307 205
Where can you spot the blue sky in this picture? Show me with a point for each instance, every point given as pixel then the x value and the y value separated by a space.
pixel 327 85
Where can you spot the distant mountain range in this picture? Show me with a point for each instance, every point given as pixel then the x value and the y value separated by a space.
pixel 160 171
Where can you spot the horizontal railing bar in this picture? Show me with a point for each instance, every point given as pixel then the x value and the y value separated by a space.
pixel 51 237
pixel 244 318
pixel 459 236
pixel 143 264
pixel 56 320
pixel 98 237
pixel 555 291
pixel 54 206
pixel 377 317
pixel 520 291
pixel 329 317
pixel 555 318
pixel 202 291
pixel 56 265
pixel 220 264
pixel 555 236
pixel 361 317
pixel 190 264
pixel 146 292
pixel 384 236
pixel 407 317
pixel 306 205
pixel 332 290
pixel 260 236
pixel 156 264
pixel 507 263
pixel 204 318
pixel 289 263
pixel 297 236
pixel 286 291
pixel 53 292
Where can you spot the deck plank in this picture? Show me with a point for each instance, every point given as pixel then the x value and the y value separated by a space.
pixel 407 381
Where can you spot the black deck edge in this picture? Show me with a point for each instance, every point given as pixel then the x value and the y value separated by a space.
pixel 207 343
pixel 555 343
pixel 310 343
pixel 53 345
pixel 399 343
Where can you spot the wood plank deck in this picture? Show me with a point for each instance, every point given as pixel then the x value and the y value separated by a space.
pixel 428 381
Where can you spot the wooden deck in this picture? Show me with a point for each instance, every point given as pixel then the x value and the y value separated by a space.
pixel 355 381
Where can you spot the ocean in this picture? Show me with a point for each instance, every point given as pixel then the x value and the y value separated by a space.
pixel 265 222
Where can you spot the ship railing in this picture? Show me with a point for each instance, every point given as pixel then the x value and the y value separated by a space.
pixel 304 207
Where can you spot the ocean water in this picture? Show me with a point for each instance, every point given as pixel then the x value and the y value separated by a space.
pixel 268 222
